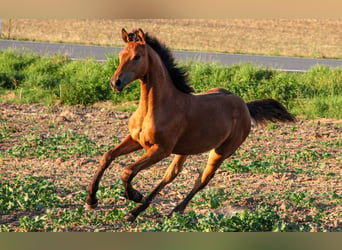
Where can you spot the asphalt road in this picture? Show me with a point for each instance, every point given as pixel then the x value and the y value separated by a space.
pixel 76 51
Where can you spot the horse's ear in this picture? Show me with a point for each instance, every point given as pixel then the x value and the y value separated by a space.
pixel 124 35
pixel 141 36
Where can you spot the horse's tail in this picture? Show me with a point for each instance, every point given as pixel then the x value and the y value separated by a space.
pixel 264 110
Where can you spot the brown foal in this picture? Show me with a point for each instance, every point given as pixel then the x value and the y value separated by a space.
pixel 172 120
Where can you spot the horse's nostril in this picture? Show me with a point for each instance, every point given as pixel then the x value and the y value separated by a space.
pixel 118 82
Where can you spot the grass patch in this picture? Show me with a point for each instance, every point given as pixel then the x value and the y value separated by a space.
pixel 62 145
pixel 27 194
pixel 29 78
pixel 263 219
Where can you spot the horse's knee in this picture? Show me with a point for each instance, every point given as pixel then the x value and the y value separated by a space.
pixel 106 159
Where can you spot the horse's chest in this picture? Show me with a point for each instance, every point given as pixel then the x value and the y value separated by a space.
pixel 143 131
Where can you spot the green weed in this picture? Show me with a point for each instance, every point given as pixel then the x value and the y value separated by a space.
pixel 84 83
pixel 209 199
pixel 27 194
pixel 61 145
pixel 263 219
pixel 12 64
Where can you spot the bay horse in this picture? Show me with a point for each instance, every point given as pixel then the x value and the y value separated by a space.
pixel 170 119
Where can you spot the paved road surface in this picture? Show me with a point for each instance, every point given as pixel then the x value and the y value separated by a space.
pixel 99 53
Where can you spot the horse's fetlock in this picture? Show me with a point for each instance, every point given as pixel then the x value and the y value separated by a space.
pixel 126 175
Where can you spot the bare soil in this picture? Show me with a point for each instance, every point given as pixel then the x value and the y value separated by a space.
pixel 104 124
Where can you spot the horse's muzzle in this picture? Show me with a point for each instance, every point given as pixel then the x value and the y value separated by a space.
pixel 119 81
pixel 117 85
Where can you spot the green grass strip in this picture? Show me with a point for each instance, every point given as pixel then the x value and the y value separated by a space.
pixel 30 78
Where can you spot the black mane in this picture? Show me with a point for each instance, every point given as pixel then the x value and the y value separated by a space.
pixel 179 75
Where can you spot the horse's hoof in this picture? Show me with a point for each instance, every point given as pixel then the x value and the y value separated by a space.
pixel 130 217
pixel 136 197
pixel 91 207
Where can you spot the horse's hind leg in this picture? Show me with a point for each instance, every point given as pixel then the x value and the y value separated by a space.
pixel 171 173
pixel 128 145
pixel 215 160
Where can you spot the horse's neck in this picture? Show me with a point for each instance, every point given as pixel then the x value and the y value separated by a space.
pixel 156 87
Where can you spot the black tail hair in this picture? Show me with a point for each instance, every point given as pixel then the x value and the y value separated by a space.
pixel 264 110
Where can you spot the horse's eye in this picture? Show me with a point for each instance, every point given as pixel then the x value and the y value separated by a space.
pixel 136 57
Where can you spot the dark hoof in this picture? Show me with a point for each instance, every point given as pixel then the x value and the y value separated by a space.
pixel 135 196
pixel 91 207
pixel 130 217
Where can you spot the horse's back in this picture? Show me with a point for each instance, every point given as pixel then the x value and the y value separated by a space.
pixel 222 101
pixel 216 91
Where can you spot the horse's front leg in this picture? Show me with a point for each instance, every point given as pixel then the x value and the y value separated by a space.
pixel 171 173
pixel 152 156
pixel 128 145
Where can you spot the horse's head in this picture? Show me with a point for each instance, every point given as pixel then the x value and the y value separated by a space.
pixel 133 60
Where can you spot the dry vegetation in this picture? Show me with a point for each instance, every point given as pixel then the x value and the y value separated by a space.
pixel 287 37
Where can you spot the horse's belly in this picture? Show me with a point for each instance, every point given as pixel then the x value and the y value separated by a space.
pixel 189 149
pixel 203 140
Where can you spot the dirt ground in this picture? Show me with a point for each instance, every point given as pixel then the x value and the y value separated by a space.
pixel 103 125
